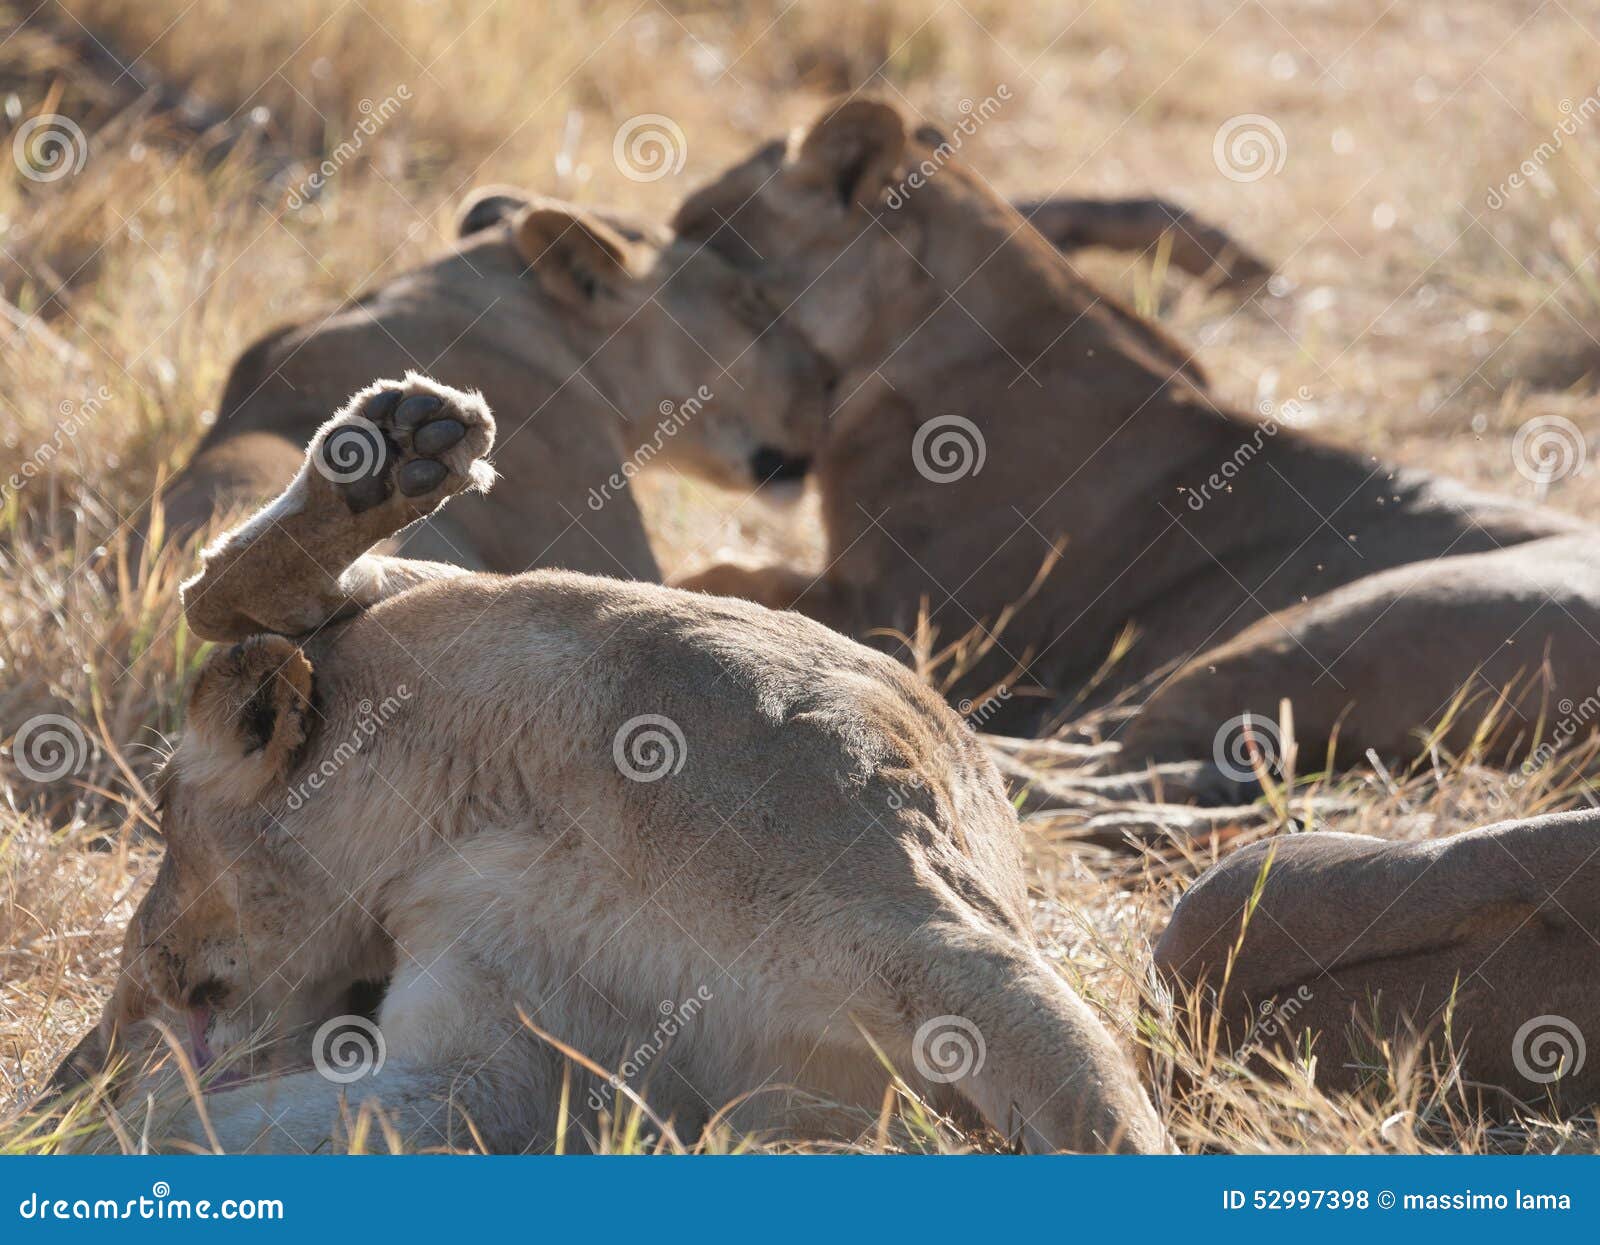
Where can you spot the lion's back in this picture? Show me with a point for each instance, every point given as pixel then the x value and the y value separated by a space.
pixel 617 687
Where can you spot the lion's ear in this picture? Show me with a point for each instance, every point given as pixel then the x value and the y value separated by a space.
pixel 487 206
pixel 249 715
pixel 575 256
pixel 854 150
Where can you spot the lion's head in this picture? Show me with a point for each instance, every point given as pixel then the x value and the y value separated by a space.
pixel 243 935
pixel 886 249
pixel 700 364
pixel 822 217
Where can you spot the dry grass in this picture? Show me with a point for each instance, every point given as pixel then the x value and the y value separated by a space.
pixel 1419 320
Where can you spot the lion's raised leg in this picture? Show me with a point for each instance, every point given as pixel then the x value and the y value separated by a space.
pixel 245 469
pixel 395 453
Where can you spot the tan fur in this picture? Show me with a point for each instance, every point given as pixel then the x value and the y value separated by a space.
pixel 506 311
pixel 1314 574
pixel 590 335
pixel 1456 945
pixel 826 851
pixel 235 767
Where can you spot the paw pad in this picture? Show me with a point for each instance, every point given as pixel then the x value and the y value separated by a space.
pixel 410 443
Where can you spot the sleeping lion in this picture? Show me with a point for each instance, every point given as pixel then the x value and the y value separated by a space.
pixel 593 796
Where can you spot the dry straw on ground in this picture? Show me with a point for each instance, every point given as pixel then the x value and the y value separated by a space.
pixel 1421 320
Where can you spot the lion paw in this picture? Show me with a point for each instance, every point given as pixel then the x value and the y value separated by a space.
pixel 400 448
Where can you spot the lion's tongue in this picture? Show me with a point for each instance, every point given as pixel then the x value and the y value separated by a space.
pixel 199 1022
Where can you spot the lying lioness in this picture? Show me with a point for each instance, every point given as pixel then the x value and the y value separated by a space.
pixel 595 797
pixel 607 347
pixel 598 342
pixel 1481 946
pixel 998 407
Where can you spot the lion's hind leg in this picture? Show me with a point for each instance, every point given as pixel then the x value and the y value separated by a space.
pixel 396 452
pixel 992 1020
